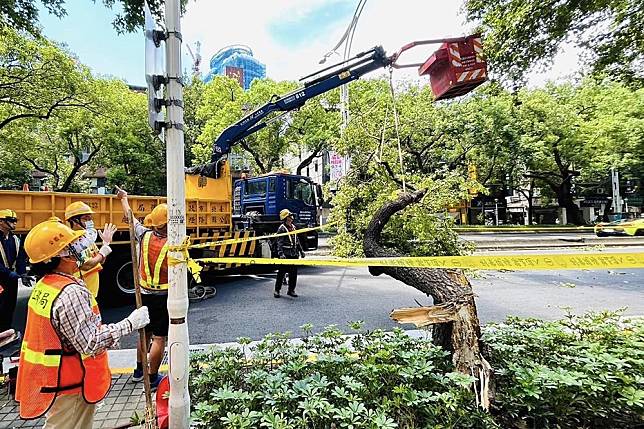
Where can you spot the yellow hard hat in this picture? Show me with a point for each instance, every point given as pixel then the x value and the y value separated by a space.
pixel 77 208
pixel 8 214
pixel 48 239
pixel 147 221
pixel 284 213
pixel 159 215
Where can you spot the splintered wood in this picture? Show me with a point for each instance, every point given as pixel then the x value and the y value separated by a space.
pixel 425 316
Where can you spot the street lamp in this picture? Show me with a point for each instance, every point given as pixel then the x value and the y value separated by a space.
pixel 496 211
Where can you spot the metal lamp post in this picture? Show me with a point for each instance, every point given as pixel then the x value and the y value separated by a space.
pixel 170 128
pixel 496 211
pixel 178 340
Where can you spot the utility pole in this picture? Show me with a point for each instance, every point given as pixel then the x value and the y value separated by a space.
pixel 617 203
pixel 178 340
pixel 347 39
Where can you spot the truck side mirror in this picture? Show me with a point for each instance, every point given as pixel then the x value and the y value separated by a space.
pixel 319 194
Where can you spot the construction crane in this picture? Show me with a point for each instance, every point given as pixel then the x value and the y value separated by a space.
pixel 196 57
pixel 451 84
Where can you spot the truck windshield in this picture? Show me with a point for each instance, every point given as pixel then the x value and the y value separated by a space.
pixel 256 187
pixel 299 189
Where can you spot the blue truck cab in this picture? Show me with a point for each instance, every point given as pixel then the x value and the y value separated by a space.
pixel 257 202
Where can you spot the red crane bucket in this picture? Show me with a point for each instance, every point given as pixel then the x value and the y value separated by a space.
pixel 456 68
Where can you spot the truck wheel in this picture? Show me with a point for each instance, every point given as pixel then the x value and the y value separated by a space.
pixel 117 284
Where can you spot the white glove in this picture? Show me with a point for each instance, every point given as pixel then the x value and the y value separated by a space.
pixel 139 318
pixel 105 250
pixel 108 232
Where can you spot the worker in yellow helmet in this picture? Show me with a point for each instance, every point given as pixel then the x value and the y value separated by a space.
pixel 288 247
pixel 79 216
pixel 153 276
pixel 63 370
pixel 13 267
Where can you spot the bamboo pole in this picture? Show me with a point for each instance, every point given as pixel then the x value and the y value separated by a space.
pixel 150 415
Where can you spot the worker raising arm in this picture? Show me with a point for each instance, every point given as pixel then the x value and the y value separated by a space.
pixel 80 218
pixel 153 276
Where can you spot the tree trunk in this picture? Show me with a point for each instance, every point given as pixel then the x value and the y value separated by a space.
pixel 461 336
pixel 564 198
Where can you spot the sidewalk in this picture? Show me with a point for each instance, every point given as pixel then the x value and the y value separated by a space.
pixel 114 411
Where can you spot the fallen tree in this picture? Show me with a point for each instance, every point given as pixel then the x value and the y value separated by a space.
pixel 454 316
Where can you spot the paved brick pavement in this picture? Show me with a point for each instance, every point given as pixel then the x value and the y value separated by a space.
pixel 114 411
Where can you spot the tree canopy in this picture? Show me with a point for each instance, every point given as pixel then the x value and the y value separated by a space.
pixel 22 15
pixel 520 34
pixel 58 119
pixel 307 131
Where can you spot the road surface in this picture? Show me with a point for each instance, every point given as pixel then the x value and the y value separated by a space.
pixel 244 305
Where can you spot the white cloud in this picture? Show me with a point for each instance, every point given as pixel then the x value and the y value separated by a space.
pixel 390 23
pixel 383 22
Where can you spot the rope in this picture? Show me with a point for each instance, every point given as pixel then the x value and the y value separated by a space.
pixel 397 126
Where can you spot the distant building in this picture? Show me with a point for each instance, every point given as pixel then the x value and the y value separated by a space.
pixel 236 61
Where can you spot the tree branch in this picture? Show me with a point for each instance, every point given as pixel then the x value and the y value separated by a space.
pixel 255 155
pixel 393 177
pixel 50 110
pixel 309 159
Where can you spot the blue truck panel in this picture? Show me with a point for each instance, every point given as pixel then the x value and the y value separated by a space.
pixel 257 202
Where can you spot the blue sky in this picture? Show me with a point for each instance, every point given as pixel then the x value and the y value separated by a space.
pixel 87 31
pixel 289 36
pixel 304 29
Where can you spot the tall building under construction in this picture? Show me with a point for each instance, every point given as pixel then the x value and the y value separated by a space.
pixel 238 62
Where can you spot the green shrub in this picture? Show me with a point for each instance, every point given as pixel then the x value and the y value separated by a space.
pixel 579 372
pixel 376 380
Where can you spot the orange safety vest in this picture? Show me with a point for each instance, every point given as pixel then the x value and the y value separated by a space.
pixel 46 370
pixel 153 265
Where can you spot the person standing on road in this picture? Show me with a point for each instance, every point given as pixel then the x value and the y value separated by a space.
pixel 80 218
pixel 13 266
pixel 153 277
pixel 288 247
pixel 63 370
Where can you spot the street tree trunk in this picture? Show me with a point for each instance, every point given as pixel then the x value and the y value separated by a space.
pixel 450 290
pixel 564 199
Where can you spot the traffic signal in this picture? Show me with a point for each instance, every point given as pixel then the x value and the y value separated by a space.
pixel 155 75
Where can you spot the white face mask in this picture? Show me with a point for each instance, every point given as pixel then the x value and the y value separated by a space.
pixel 74 251
pixel 90 231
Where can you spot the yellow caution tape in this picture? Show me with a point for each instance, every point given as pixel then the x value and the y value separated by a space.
pixel 572 261
pixel 186 244
pixel 552 229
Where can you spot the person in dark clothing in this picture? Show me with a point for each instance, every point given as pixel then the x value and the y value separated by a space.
pixel 288 247
pixel 13 266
